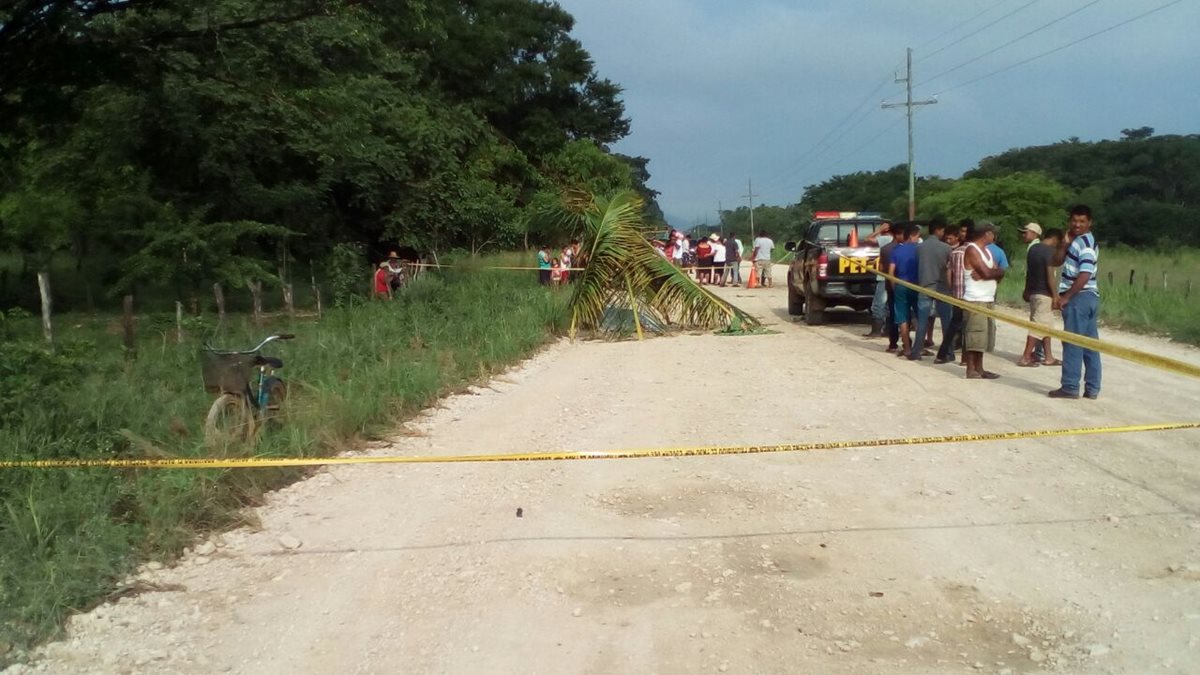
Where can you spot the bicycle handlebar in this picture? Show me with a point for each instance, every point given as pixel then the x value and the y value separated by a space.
pixel 264 343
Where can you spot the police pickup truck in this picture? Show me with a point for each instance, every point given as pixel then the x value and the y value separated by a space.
pixel 833 265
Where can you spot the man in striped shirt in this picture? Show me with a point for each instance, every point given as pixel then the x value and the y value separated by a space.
pixel 1079 299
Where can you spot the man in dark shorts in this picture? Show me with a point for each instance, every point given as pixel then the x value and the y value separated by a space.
pixel 903 265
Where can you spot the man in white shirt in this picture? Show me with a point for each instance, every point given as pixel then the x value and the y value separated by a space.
pixel 677 246
pixel 763 247
pixel 719 255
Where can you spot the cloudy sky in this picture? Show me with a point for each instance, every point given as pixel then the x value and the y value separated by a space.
pixel 787 92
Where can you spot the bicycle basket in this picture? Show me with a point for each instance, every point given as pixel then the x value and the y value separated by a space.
pixel 225 372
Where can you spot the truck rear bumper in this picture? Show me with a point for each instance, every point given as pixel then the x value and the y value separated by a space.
pixel 856 291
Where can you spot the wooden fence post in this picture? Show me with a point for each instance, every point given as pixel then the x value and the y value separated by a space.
pixel 219 294
pixel 1110 278
pixel 44 289
pixel 1188 292
pixel 256 295
pixel 316 294
pixel 127 322
pixel 1132 274
pixel 1145 281
pixel 1164 280
pixel 178 322
pixel 289 300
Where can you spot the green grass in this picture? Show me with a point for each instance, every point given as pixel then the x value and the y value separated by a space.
pixel 1145 306
pixel 66 537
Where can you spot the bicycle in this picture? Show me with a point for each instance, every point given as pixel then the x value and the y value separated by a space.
pixel 241 409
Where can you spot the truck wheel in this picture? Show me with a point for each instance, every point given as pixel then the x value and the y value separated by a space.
pixel 815 316
pixel 795 299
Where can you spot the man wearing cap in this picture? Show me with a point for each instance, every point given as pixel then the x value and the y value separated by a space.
pixel 1041 292
pixel 1031 234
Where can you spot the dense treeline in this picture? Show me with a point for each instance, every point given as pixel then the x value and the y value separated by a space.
pixel 189 142
pixel 1145 190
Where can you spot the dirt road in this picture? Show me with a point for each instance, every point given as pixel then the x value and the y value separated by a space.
pixel 1077 555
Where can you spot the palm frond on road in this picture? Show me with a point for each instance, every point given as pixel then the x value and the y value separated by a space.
pixel 622 269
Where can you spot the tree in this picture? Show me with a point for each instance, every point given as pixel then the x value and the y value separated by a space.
pixel 863 191
pixel 1137 134
pixel 430 123
pixel 1141 191
pixel 1008 201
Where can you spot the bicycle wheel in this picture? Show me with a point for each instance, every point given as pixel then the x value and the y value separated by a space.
pixel 230 420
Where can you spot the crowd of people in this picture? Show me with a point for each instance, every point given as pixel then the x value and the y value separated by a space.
pixel 556 270
pixel 964 261
pixel 717 259
pixel 392 274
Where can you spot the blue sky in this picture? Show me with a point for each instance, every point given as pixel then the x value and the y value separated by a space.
pixel 722 91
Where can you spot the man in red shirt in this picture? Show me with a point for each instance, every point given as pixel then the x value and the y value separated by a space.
pixel 383 289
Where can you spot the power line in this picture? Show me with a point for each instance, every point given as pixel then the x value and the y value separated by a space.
pixel 842 159
pixel 788 172
pixel 1010 42
pixel 961 24
pixel 979 30
pixel 1061 47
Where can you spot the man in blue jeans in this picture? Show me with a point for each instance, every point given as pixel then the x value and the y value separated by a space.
pixel 1079 298
pixel 932 256
pixel 879 309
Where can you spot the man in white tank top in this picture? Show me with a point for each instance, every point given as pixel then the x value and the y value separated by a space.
pixel 979 287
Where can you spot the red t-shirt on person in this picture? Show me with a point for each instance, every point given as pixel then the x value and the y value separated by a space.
pixel 381 281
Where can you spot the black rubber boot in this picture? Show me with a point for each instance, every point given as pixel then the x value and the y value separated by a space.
pixel 876 330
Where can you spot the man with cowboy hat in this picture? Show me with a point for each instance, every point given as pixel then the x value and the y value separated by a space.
pixel 395 270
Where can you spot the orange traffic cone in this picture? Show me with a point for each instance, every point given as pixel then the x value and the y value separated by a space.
pixel 853 238
pixel 752 282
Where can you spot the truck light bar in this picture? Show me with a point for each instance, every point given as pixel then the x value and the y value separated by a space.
pixel 845 215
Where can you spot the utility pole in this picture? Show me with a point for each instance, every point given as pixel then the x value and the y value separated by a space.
pixel 750 195
pixel 720 215
pixel 908 104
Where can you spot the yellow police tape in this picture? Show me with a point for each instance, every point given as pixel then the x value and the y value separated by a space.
pixel 1127 353
pixel 267 462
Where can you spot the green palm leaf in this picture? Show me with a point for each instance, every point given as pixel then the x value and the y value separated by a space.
pixel 622 269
